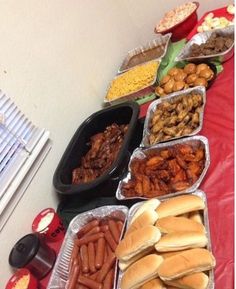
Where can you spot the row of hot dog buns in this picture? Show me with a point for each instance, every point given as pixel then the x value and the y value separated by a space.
pixel 165 245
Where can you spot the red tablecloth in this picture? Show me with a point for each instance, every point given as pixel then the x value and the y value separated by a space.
pixel 218 184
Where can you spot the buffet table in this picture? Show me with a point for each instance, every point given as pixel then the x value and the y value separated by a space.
pixel 218 183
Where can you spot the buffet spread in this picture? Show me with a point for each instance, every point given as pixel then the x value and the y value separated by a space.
pixel 163 240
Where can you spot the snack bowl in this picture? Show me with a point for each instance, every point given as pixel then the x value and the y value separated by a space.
pixel 125 113
pixel 182 29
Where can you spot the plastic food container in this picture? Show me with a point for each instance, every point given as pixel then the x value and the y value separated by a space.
pixel 22 279
pixel 49 225
pixel 183 28
pixel 105 185
pixel 32 253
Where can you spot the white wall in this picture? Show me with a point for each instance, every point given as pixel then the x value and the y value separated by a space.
pixel 56 60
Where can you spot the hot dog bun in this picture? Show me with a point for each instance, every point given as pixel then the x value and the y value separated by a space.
pixel 184 263
pixel 173 224
pixel 151 204
pixel 193 281
pixel 146 218
pixel 154 284
pixel 195 216
pixel 137 242
pixel 141 272
pixel 123 265
pixel 180 205
pixel 165 255
pixel 181 241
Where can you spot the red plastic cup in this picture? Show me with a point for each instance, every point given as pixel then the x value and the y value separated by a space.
pixel 49 225
pixel 22 273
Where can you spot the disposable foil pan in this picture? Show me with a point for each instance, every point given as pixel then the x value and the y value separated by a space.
pixel 172 97
pixel 141 153
pixel 205 219
pixel 202 38
pixel 60 273
pixel 138 93
pixel 161 41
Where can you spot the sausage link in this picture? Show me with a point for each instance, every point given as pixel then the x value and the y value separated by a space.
pixel 87 228
pixel 114 230
pixel 100 253
pixel 109 280
pixel 106 253
pixel 74 255
pixel 73 278
pixel 84 258
pixel 104 228
pixel 89 283
pixel 91 257
pixel 109 250
pixel 94 275
pixel 94 230
pixel 90 238
pixel 81 286
pixel 120 225
pixel 110 241
pixel 106 267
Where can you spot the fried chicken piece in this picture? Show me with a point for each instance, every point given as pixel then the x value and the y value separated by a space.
pixel 179 177
pixel 154 161
pixel 180 186
pixel 174 168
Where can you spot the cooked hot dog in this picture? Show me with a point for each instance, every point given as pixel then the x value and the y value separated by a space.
pixel 73 278
pixel 91 257
pixel 114 230
pixel 85 229
pixel 110 240
pixel 90 238
pixel 89 282
pixel 109 279
pixel 106 267
pixel 100 253
pixel 94 230
pixel 84 258
pixel 120 226
pixel 104 228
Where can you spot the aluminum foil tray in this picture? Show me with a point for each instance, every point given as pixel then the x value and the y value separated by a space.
pixel 59 276
pixel 141 153
pixel 171 97
pixel 202 38
pixel 205 220
pixel 136 94
pixel 160 41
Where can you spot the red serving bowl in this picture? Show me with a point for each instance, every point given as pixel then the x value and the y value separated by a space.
pixel 183 28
